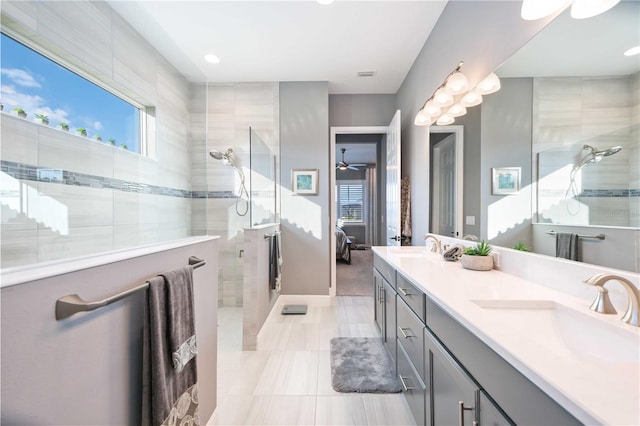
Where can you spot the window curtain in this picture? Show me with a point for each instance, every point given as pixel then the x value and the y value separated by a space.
pixel 371 231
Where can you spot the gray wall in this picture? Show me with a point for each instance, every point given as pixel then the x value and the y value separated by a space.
pixel 361 110
pixel 483 35
pixel 304 144
pixel 87 369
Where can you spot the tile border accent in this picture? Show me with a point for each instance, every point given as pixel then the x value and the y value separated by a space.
pixel 29 172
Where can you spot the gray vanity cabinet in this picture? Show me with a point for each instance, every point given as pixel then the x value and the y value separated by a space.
pixel 385 304
pixel 456 399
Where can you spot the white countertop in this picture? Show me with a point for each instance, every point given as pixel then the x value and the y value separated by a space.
pixel 588 362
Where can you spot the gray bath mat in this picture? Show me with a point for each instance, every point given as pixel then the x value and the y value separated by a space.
pixel 361 364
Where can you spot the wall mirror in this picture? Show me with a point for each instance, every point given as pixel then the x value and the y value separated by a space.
pixel 577 141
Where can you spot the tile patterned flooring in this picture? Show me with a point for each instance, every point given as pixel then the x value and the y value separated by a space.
pixel 287 380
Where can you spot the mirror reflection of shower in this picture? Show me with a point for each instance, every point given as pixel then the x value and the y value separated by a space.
pixel 243 195
pixel 594 156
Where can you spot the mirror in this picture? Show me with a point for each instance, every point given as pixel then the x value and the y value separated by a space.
pixel 567 115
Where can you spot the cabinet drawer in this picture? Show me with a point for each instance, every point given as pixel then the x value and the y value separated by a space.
pixel 410 336
pixel 520 399
pixel 412 295
pixel 385 269
pixel 413 388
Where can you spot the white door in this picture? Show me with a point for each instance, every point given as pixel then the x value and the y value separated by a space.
pixel 444 180
pixel 447 179
pixel 393 181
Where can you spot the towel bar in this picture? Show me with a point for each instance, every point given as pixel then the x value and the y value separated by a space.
pixel 597 237
pixel 72 303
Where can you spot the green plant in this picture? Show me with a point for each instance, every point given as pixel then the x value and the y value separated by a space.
pixel 112 141
pixel 43 118
pixel 124 146
pixel 481 249
pixel 521 246
pixel 64 126
pixel 98 138
pixel 19 110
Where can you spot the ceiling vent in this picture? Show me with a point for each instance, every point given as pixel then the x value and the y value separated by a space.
pixel 366 73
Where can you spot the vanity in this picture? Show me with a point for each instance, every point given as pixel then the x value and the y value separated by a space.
pixel 479 348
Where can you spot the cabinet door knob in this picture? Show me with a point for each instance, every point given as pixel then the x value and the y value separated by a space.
pixel 461 410
pixel 404 291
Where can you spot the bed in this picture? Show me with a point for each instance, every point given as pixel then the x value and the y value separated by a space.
pixel 343 246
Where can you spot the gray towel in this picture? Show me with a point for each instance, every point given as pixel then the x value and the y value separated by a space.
pixel 567 246
pixel 170 391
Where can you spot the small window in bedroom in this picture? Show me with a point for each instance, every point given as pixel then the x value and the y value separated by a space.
pixel 351 201
pixel 53 95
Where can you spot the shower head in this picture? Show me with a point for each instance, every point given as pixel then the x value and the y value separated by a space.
pixel 595 156
pixel 611 151
pixel 216 154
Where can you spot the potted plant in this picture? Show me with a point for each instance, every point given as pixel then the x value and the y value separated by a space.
pixel 82 131
pixel 124 146
pixel 98 138
pixel 20 112
pixel 64 126
pixel 477 258
pixel 112 141
pixel 521 246
pixel 42 119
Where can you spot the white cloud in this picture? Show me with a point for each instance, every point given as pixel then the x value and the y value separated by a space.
pixel 97 125
pixel 32 104
pixel 20 77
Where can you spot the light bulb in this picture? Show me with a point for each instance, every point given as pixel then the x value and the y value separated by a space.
pixel 422 118
pixel 441 98
pixel 582 9
pixel 457 83
pixel 456 110
pixel 490 84
pixel 537 9
pixel 445 119
pixel 471 99
pixel 431 108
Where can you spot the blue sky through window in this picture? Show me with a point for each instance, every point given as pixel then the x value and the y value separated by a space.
pixel 38 85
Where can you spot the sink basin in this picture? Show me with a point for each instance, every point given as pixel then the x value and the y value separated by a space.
pixel 561 329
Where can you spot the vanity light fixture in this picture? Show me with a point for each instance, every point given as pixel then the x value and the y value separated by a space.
pixel 633 51
pixel 580 9
pixel 211 58
pixel 453 97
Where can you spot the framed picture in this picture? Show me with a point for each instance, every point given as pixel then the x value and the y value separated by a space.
pixel 505 180
pixel 304 181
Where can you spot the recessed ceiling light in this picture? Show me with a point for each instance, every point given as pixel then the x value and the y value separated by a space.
pixel 325 2
pixel 633 51
pixel 211 58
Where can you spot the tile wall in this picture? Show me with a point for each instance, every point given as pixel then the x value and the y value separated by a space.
pixel 601 112
pixel 109 198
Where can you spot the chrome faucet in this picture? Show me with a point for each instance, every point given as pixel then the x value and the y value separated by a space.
pixel 436 247
pixel 603 305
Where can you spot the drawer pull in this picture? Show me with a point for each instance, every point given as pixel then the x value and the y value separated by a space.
pixel 404 292
pixel 461 410
pixel 404 334
pixel 404 385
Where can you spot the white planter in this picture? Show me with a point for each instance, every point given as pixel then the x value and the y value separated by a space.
pixel 477 263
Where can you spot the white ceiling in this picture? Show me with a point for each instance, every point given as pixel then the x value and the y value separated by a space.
pixel 288 40
pixel 357 153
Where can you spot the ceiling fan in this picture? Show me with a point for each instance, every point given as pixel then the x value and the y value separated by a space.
pixel 342 165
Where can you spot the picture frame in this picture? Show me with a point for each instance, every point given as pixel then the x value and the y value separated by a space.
pixel 505 180
pixel 304 181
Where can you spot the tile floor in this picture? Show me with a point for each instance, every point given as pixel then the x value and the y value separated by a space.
pixel 287 380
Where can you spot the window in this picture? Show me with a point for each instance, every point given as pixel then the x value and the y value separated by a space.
pixel 39 86
pixel 351 201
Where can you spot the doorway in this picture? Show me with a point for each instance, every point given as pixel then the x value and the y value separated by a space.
pixel 355 139
pixel 446 177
